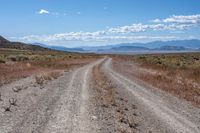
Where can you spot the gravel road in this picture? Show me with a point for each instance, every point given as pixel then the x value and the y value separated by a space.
pixel 161 112
pixel 63 105
pixel 59 107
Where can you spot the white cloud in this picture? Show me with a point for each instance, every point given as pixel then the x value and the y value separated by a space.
pixel 180 19
pixel 190 19
pixel 173 24
pixel 89 37
pixel 111 34
pixel 156 20
pixel 128 28
pixel 134 28
pixel 43 11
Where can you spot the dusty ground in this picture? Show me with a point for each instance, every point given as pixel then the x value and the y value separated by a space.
pixel 114 112
pixel 161 111
pixel 178 74
pixel 59 105
pixel 91 99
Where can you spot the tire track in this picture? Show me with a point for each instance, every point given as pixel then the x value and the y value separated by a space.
pixel 71 111
pixel 60 107
pixel 173 120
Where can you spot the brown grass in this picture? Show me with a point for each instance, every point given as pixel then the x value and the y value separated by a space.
pixel 41 79
pixel 16 64
pixel 178 74
pixel 105 93
pixel 117 114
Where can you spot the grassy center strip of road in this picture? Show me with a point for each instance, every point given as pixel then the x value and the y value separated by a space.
pixel 113 112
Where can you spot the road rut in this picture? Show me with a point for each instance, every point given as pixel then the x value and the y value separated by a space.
pixel 63 105
pixel 59 107
pixel 164 118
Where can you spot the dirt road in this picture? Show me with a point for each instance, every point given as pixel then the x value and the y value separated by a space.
pixel 63 105
pixel 59 107
pixel 161 112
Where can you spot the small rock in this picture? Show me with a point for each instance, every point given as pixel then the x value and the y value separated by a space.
pixel 94 117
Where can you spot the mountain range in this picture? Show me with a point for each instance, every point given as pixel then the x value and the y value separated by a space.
pixel 176 45
pixel 60 48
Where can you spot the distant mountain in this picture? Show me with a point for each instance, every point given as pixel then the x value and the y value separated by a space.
pixel 176 45
pixel 129 48
pixel 194 44
pixel 60 48
pixel 4 43
pixel 172 48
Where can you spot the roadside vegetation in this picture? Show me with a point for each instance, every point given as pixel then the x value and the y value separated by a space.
pixel 115 113
pixel 16 64
pixel 178 74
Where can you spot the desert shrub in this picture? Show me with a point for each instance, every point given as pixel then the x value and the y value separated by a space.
pixel 12 58
pixel 2 61
pixel 18 58
pixel 195 74
pixel 22 58
pixel 55 75
pixel 46 77
pixel 39 80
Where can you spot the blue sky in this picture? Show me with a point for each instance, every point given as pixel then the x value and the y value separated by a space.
pixel 73 23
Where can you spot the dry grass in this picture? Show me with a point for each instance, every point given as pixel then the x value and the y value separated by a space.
pixel 187 64
pixel 41 79
pixel 16 64
pixel 117 114
pixel 105 93
pixel 10 72
pixel 178 74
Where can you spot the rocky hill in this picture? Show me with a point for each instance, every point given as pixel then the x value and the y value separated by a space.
pixel 4 43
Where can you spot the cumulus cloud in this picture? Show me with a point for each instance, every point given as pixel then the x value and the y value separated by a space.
pixel 190 19
pixel 111 34
pixel 156 20
pixel 172 24
pixel 134 28
pixel 90 37
pixel 43 11
pixel 181 19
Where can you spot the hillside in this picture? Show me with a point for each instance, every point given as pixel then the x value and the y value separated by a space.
pixel 193 44
pixel 59 48
pixel 129 48
pixel 4 43
pixel 175 45
pixel 172 48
